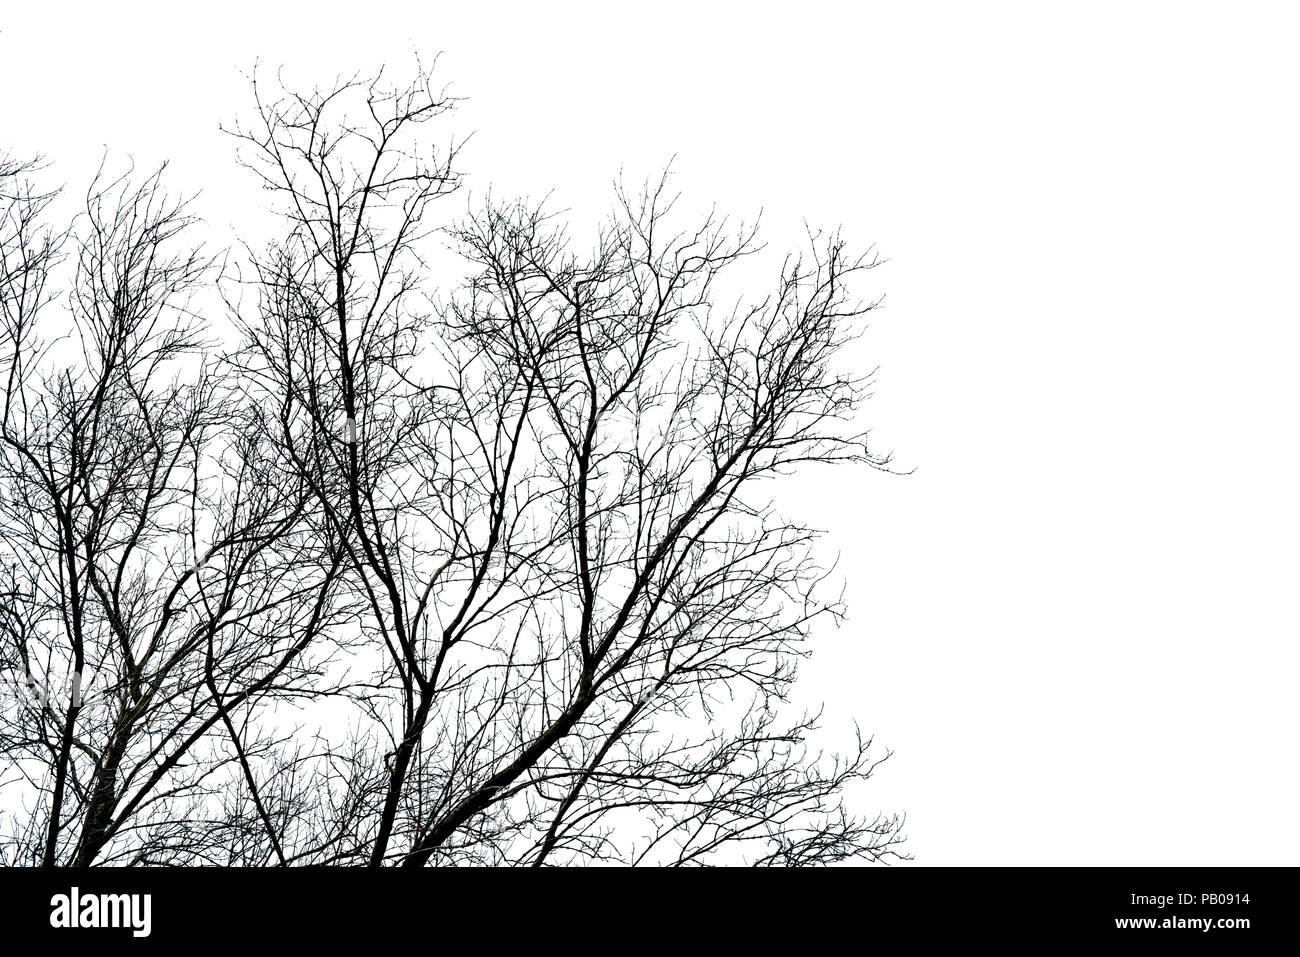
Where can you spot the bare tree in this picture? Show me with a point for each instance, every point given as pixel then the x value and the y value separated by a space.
pixel 514 540
pixel 156 567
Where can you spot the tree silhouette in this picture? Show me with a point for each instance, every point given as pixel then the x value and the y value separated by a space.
pixel 485 575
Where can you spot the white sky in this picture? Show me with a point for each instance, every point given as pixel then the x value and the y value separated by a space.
pixel 1075 624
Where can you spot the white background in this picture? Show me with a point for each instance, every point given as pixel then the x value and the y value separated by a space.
pixel 1075 623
